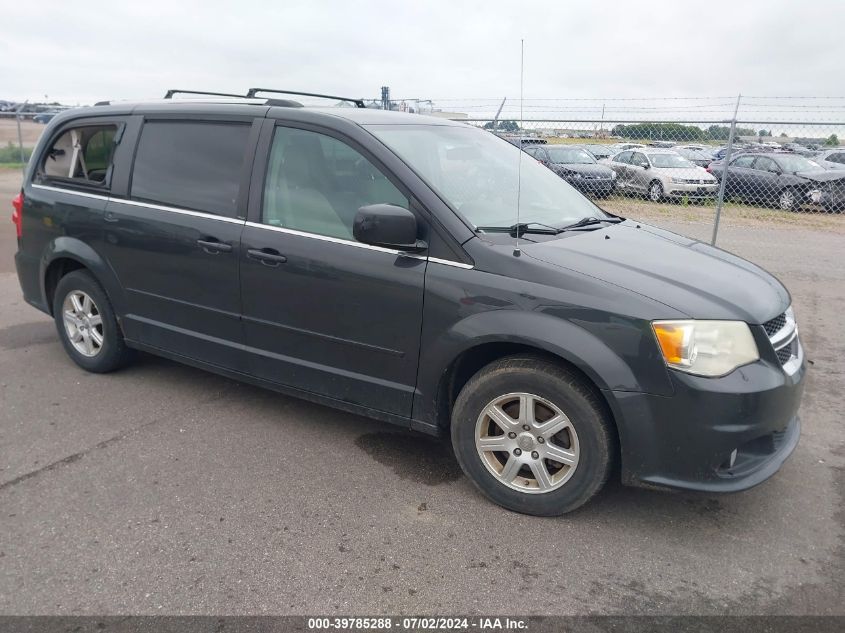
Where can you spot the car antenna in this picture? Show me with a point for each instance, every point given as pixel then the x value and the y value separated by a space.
pixel 516 251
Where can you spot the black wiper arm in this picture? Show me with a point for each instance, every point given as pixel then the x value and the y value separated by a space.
pixel 588 221
pixel 522 228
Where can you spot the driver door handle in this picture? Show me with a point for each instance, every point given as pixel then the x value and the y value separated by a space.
pixel 267 256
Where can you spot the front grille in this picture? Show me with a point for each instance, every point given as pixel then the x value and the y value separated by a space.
pixel 785 353
pixel 775 325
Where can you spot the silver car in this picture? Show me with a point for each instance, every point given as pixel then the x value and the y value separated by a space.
pixel 831 158
pixel 660 173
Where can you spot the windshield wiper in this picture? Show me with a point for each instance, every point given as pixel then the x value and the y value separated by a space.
pixel 588 221
pixel 516 230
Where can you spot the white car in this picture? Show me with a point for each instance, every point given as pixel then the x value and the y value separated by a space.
pixel 831 158
pixel 660 173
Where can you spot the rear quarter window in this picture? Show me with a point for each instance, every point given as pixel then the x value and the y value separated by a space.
pixel 81 155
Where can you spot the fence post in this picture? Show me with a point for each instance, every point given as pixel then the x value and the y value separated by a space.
pixel 20 136
pixel 720 197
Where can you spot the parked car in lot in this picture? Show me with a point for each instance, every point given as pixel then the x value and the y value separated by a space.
pixel 619 147
pixel 372 261
pixel 660 173
pixel 578 167
pixel 44 117
pixel 830 158
pixel 598 151
pixel 797 148
pixel 787 180
pixel 696 157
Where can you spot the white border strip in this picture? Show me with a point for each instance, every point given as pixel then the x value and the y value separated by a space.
pixel 268 227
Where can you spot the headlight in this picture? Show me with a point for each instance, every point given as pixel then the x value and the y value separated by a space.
pixel 705 348
pixel 613 175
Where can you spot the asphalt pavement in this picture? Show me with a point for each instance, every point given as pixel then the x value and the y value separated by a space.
pixel 165 489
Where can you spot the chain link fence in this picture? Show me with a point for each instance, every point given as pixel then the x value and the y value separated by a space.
pixel 751 161
pixel 745 162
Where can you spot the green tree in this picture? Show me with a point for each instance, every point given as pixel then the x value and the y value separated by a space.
pixel 504 126
pixel 832 140
pixel 660 132
pixel 764 133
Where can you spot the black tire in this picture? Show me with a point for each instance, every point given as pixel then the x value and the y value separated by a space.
pixel 113 353
pixel 565 390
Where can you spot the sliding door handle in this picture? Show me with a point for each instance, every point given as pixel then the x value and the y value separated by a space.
pixel 212 246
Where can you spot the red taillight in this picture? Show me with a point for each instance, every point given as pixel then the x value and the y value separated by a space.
pixel 17 214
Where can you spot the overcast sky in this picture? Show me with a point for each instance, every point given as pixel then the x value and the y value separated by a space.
pixel 80 53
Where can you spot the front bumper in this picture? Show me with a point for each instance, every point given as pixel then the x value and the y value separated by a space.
pixel 690 190
pixel 601 186
pixel 688 440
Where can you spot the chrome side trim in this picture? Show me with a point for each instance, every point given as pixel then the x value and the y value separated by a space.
pixel 334 240
pixel 161 207
pixel 449 262
pixel 95 196
pixel 146 205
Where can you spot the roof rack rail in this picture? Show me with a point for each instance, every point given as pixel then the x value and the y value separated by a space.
pixel 169 94
pixel 359 103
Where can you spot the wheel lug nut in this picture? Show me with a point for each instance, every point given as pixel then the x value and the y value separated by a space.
pixel 517 452
pixel 540 439
pixel 525 427
pixel 535 454
pixel 512 435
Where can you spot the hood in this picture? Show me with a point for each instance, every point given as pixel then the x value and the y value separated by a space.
pixel 589 169
pixel 692 277
pixel 821 175
pixel 698 173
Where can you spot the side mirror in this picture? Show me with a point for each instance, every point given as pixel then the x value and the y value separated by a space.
pixel 387 225
pixel 644 165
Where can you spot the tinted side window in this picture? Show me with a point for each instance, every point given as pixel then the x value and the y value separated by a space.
pixel 624 157
pixel 742 161
pixel 765 164
pixel 316 184
pixel 638 158
pixel 837 158
pixel 83 154
pixel 192 165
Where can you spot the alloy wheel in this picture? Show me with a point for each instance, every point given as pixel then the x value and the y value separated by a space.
pixel 527 443
pixel 655 192
pixel 786 200
pixel 83 323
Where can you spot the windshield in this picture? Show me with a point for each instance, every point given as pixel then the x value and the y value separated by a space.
pixel 478 175
pixel 796 163
pixel 670 161
pixel 570 155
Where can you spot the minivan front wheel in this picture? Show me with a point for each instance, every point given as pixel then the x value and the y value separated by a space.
pixel 532 436
pixel 87 325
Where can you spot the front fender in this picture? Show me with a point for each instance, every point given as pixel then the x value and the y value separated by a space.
pixel 617 354
pixel 66 247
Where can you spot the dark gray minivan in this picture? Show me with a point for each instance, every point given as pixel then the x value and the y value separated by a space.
pixel 418 271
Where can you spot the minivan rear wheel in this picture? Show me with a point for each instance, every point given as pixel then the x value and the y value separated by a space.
pixel 87 324
pixel 532 436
